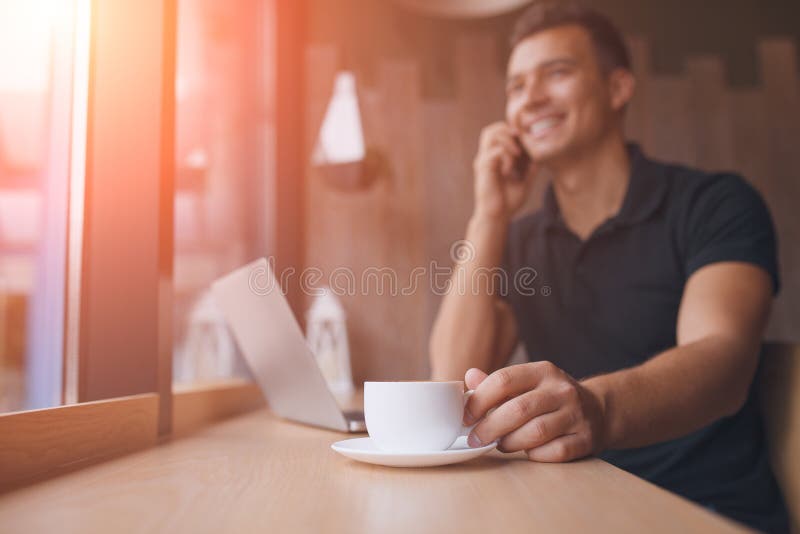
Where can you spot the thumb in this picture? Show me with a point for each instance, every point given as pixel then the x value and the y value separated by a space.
pixel 474 377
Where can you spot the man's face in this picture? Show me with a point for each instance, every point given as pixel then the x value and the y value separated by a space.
pixel 558 99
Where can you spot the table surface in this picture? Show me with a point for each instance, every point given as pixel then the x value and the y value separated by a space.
pixel 258 472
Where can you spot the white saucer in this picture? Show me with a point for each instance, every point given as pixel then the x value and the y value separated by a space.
pixel 364 450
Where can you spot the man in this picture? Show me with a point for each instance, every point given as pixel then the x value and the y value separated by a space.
pixel 661 278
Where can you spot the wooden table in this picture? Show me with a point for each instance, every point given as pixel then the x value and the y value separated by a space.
pixel 257 473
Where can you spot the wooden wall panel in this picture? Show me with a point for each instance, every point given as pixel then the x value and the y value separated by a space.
pixel 669 132
pixel 402 342
pixel 480 98
pixel 479 101
pixel 333 217
pixel 636 116
pixel 322 221
pixel 778 60
pixel 447 191
pixel 749 137
pixel 365 244
pixel 378 230
pixel 322 63
pixel 709 113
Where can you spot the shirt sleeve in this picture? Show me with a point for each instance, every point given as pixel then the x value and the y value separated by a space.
pixel 729 221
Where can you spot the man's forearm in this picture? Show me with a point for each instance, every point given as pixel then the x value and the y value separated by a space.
pixel 674 393
pixel 464 330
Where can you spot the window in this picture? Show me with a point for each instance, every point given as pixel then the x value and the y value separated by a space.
pixel 147 182
pixel 36 93
pixel 223 182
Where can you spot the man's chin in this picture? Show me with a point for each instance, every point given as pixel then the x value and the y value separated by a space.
pixel 545 155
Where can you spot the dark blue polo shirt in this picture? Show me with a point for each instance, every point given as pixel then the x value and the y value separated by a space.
pixel 611 302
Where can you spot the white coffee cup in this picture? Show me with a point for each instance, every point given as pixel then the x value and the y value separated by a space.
pixel 405 417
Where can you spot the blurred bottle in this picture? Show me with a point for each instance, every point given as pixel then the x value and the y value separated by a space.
pixel 327 338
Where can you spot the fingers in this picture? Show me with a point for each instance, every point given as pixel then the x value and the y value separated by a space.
pixel 498 158
pixel 503 384
pixel 538 431
pixel 500 187
pixel 495 158
pixel 474 377
pixel 562 449
pixel 512 416
pixel 498 133
pixel 488 133
pixel 507 141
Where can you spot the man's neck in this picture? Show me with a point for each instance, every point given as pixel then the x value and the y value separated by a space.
pixel 590 187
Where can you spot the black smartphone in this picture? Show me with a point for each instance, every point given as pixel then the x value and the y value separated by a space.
pixel 521 162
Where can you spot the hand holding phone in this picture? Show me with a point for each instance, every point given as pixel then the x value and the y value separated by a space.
pixel 522 162
pixel 502 172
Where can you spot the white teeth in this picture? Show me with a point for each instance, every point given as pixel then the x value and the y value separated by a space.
pixel 542 125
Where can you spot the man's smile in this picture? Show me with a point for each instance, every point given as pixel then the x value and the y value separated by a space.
pixel 543 125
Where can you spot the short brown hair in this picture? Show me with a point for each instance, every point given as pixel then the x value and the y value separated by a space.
pixel 612 52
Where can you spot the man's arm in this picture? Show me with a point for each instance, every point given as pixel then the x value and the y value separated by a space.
pixel 474 328
pixel 706 376
pixel 721 322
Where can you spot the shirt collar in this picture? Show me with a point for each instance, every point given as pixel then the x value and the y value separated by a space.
pixel 646 190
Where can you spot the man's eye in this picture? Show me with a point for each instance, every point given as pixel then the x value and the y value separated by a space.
pixel 558 73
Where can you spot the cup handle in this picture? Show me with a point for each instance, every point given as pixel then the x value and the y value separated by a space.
pixel 465 430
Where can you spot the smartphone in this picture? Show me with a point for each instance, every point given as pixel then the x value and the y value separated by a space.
pixel 522 163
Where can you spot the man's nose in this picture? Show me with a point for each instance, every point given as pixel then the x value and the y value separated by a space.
pixel 535 94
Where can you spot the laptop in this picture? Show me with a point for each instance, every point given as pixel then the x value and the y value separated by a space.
pixel 274 347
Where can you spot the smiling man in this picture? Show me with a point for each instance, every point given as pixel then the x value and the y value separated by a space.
pixel 662 278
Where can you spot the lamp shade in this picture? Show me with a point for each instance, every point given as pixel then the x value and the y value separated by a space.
pixel 464 9
pixel 341 138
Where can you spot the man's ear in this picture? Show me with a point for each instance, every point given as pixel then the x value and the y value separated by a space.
pixel 621 85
